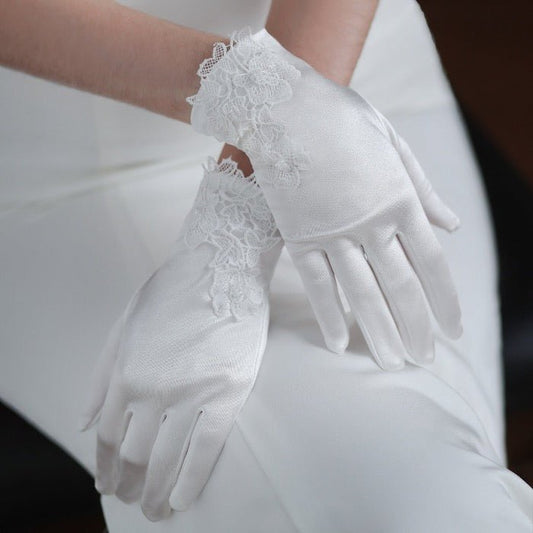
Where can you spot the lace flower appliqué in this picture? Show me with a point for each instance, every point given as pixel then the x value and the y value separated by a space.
pixel 231 214
pixel 240 84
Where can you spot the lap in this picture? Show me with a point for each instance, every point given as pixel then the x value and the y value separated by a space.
pixel 332 443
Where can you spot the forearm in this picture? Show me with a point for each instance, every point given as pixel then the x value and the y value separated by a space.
pixel 105 48
pixel 328 35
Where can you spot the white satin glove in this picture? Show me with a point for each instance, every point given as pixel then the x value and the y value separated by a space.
pixel 181 361
pixel 349 198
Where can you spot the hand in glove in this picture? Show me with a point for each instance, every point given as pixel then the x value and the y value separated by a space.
pixel 181 361
pixel 349 198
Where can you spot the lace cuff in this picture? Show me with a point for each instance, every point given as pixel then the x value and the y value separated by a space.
pixel 231 214
pixel 239 86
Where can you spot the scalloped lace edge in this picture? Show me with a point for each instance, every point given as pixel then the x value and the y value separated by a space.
pixel 231 214
pixel 237 98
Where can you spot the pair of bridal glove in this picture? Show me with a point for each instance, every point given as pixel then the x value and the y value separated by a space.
pixel 182 359
pixel 353 207
pixel 349 198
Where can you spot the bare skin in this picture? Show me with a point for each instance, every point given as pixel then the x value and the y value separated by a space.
pixel 328 35
pixel 106 48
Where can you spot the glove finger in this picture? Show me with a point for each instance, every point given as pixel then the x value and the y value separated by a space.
pixel 321 288
pixel 427 258
pixel 135 453
pixel 204 449
pixel 438 213
pixel 101 377
pixel 168 451
pixel 405 297
pixel 112 427
pixel 368 304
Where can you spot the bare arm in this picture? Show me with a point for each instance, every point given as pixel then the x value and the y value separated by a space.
pixel 105 48
pixel 328 35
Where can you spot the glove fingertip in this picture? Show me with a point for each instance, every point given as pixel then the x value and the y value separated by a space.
pixel 180 503
pixel 337 346
pixel 392 364
pixel 86 421
pixel 456 331
pixel 452 222
pixel 91 408
pixel 186 492
pixel 442 216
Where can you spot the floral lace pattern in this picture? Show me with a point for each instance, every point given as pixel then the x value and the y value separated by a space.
pixel 239 85
pixel 231 214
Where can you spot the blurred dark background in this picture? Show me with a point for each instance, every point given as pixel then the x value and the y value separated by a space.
pixel 486 49
pixel 487 52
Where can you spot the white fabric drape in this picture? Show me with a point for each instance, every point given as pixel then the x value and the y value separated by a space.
pixel 92 194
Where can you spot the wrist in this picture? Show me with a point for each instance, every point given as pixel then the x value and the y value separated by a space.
pixel 329 36
pixel 240 158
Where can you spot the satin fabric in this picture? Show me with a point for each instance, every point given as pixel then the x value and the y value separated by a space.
pixel 93 193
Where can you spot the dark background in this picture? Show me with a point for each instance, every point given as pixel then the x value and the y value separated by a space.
pixel 485 46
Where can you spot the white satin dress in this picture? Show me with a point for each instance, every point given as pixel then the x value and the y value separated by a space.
pixel 92 194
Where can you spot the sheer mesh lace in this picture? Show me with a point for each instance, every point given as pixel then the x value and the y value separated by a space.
pixel 231 214
pixel 239 85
